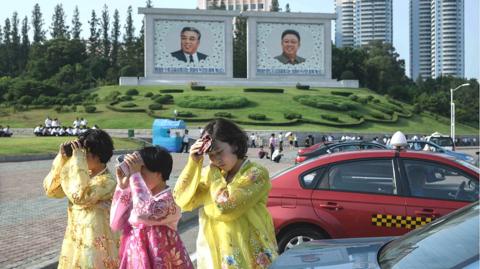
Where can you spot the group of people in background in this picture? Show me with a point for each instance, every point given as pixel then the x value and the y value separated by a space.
pixel 5 131
pixel 53 127
pixel 235 228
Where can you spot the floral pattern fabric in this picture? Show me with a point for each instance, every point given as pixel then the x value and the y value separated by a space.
pixel 149 223
pixel 235 227
pixel 89 242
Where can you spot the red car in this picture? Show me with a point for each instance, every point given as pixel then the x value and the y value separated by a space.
pixel 367 194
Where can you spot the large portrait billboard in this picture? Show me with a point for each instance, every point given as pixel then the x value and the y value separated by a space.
pixel 189 47
pixel 290 49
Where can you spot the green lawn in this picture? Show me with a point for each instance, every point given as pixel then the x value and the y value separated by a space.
pixel 42 145
pixel 273 105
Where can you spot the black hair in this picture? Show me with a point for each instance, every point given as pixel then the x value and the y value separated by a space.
pixel 157 159
pixel 228 132
pixel 191 29
pixel 97 142
pixel 291 32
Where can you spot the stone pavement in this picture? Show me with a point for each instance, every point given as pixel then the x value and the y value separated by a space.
pixel 32 226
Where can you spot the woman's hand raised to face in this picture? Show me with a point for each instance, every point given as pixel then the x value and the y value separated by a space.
pixel 134 162
pixel 194 150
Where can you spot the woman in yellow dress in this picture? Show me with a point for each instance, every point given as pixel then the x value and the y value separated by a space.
pixel 235 227
pixel 80 173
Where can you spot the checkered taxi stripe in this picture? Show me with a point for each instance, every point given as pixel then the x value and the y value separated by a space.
pixel 408 222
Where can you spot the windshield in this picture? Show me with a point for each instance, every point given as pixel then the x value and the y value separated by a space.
pixel 442 141
pixel 451 242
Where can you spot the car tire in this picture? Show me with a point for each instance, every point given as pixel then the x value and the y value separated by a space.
pixel 297 235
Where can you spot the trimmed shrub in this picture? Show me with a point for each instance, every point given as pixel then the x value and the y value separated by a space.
pixel 125 98
pixel 263 90
pixel 171 91
pixel 223 114
pixel 377 115
pixel 149 94
pixel 129 104
pixel 163 99
pixel 198 88
pixel 346 94
pixel 370 98
pixel 354 97
pixel 213 102
pixel 321 102
pixel 132 92
pixel 112 96
pixel 417 108
pixel 302 87
pixel 155 106
pixel 90 109
pixel 186 114
pixel 329 117
pixel 362 100
pixel 355 115
pixel 292 115
pixel 376 101
pixel 257 116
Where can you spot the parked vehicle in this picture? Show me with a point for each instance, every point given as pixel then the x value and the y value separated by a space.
pixel 419 145
pixel 338 146
pixel 443 141
pixel 449 242
pixel 367 193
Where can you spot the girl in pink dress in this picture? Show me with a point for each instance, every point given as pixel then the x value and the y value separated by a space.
pixel 144 209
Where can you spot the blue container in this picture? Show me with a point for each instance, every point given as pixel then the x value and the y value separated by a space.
pixel 162 136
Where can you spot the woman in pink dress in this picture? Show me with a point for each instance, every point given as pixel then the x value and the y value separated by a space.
pixel 144 209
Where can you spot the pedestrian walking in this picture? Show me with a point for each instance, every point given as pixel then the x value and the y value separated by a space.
pixel 271 143
pixel 235 227
pixel 185 142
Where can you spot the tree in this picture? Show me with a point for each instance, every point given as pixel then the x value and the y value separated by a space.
pixel 239 48
pixel 37 25
pixel 105 28
pixel 25 46
pixel 115 38
pixel 7 32
pixel 15 33
pixel 59 28
pixel 93 40
pixel 76 24
pixel 287 7
pixel 275 6
pixel 129 49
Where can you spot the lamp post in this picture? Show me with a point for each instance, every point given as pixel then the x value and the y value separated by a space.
pixel 452 111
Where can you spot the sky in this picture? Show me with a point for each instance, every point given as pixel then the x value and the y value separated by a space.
pixel 400 19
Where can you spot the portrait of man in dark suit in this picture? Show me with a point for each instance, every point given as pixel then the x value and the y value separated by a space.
pixel 290 44
pixel 189 43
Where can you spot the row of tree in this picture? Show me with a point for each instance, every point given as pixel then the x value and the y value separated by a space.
pixel 66 63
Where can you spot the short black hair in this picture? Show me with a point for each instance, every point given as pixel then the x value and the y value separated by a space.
pixel 191 29
pixel 228 132
pixel 98 142
pixel 291 32
pixel 157 159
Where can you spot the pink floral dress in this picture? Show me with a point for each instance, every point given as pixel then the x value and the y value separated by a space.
pixel 149 224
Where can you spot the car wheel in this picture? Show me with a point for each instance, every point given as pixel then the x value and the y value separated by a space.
pixel 297 236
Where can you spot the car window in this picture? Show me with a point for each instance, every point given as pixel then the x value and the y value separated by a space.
pixel 372 176
pixel 442 141
pixel 345 148
pixel 449 243
pixel 370 146
pixel 438 181
pixel 308 180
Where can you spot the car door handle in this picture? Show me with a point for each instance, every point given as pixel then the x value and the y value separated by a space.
pixel 331 206
pixel 426 213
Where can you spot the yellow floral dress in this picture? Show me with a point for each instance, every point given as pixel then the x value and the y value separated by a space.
pixel 235 227
pixel 89 242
